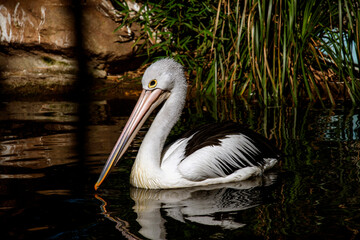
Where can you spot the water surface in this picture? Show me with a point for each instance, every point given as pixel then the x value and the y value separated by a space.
pixel 47 190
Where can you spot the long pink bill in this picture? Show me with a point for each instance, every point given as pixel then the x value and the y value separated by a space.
pixel 148 101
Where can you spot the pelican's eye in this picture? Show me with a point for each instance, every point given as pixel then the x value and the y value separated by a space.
pixel 152 83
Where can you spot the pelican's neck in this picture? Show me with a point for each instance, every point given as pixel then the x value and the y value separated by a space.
pixel 149 155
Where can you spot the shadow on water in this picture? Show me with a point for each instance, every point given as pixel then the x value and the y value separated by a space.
pixel 314 192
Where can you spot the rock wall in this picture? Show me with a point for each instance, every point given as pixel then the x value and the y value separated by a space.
pixel 37 40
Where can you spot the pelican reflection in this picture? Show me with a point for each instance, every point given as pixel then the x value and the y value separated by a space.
pixel 199 205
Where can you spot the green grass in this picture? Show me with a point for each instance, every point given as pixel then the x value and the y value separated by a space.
pixel 271 51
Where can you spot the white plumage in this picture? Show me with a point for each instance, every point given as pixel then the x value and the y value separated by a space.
pixel 209 155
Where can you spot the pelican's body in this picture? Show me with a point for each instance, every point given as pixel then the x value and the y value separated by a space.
pixel 209 155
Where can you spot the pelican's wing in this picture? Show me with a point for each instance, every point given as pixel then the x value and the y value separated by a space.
pixel 218 150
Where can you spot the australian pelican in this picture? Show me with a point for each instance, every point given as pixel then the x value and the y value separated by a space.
pixel 211 154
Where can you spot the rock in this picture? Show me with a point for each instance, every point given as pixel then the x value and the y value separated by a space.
pixel 41 23
pixel 38 39
pixel 97 73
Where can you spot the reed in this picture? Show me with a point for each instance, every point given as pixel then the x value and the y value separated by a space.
pixel 272 51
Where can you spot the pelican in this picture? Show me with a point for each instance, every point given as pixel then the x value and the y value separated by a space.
pixel 211 154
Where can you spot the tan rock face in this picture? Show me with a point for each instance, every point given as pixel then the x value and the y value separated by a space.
pixel 39 22
pixel 38 36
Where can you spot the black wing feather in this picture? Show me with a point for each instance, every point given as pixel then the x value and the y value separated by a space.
pixel 212 133
pixel 244 155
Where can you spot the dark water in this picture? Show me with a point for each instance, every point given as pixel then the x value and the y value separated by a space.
pixel 47 193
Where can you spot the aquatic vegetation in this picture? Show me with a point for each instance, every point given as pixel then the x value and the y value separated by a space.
pixel 271 51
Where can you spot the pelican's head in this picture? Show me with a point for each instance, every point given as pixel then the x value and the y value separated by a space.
pixel 161 80
pixel 165 74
